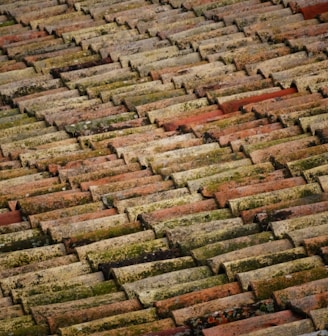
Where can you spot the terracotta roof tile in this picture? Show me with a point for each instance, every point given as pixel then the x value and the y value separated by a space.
pixel 272 108
pixel 10 312
pixel 213 181
pixel 119 320
pixel 272 148
pixel 220 12
pixel 232 260
pixel 11 217
pixel 284 296
pixel 204 211
pixel 62 295
pixel 181 178
pixel 304 326
pixel 57 200
pixel 188 299
pixel 253 324
pixel 17 324
pixel 267 30
pixel 167 325
pixel 197 310
pixel 319 318
pixel 208 253
pixel 264 289
pixel 266 198
pixel 284 77
pixel 179 197
pixel 313 11
pixel 231 123
pixel 31 278
pixel 235 102
pixel 106 202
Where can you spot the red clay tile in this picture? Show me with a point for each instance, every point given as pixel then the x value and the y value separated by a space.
pixel 264 289
pixel 260 127
pixel 197 119
pixel 247 135
pixel 290 145
pixel 229 131
pixel 310 12
pixel 323 17
pixel 183 330
pixel 132 139
pixel 232 8
pixel 165 306
pixel 61 119
pixel 10 217
pixel 284 296
pixel 90 161
pixel 254 189
pixel 319 318
pixel 263 109
pixel 226 186
pixel 164 214
pixel 314 245
pixel 249 215
pixel 324 252
pixel 252 324
pixel 237 104
pixel 209 308
pixel 126 174
pixel 293 211
pixel 88 314
pixel 142 190
pixel 5 41
pixel 46 224
pixel 309 302
pixel 47 202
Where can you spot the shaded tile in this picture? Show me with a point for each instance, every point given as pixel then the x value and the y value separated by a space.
pixel 284 296
pixel 242 191
pixel 212 182
pixel 89 314
pixel 165 327
pixel 309 303
pixel 271 149
pixel 111 322
pixel 61 199
pixel 221 261
pixel 182 178
pixel 78 229
pixel 266 198
pixel 253 323
pixel 264 288
pixel 114 243
pixel 178 302
pixel 285 77
pixel 205 212
pixel 197 310
pixel 319 318
pixel 32 278
pixel 42 312
pixel 283 268
pixel 179 197
pixel 275 132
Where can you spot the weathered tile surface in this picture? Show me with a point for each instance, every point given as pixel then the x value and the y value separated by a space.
pixel 163 167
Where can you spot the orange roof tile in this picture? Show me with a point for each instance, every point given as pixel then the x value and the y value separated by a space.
pixel 163 167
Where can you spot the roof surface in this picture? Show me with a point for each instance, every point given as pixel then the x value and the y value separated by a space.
pixel 164 167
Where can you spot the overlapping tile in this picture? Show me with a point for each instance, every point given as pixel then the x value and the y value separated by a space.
pixel 163 167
